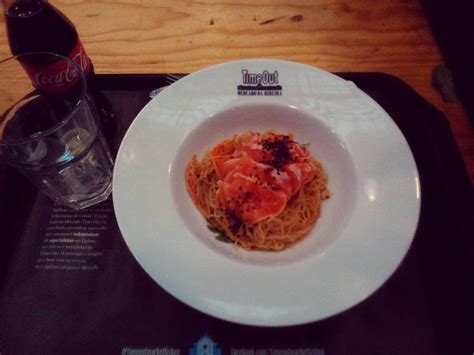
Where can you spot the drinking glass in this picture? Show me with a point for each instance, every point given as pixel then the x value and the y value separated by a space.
pixel 50 129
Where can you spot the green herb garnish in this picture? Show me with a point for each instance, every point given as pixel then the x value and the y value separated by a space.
pixel 213 229
pixel 221 237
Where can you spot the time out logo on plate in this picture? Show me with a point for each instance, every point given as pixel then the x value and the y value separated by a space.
pixel 259 84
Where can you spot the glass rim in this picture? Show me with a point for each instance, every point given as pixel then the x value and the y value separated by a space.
pixel 67 118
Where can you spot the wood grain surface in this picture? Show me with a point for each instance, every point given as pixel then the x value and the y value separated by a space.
pixel 157 36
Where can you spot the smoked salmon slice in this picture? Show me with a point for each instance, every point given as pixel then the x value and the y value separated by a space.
pixel 248 200
pixel 221 153
pixel 260 173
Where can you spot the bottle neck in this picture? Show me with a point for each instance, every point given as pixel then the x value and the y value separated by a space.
pixel 22 8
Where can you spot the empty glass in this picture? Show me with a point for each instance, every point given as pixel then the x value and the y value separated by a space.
pixel 50 129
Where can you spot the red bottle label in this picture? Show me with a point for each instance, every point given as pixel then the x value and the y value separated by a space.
pixel 60 76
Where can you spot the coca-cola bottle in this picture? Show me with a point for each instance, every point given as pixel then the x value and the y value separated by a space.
pixel 37 26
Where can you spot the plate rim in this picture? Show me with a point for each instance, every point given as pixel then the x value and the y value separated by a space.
pixel 243 320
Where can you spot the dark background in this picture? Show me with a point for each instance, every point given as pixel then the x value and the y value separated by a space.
pixel 452 23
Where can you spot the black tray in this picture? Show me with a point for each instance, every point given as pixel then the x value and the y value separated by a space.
pixel 424 308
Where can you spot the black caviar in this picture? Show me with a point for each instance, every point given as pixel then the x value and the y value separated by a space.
pixel 278 148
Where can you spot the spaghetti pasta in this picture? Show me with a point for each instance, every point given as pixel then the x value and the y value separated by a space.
pixel 263 191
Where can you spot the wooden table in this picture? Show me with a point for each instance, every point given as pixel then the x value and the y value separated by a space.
pixel 166 36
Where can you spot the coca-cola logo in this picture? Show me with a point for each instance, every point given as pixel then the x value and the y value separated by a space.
pixel 61 75
pixel 68 75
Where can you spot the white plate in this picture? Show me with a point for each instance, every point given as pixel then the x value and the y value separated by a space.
pixel 360 239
